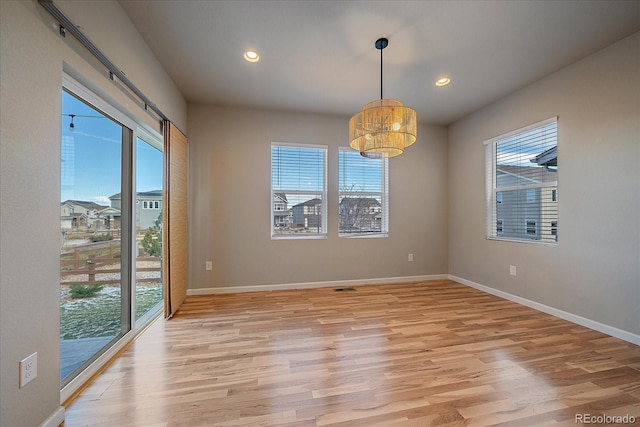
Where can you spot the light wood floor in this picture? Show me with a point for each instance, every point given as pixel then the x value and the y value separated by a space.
pixel 414 354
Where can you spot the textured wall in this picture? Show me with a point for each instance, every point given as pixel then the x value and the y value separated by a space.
pixel 32 59
pixel 230 171
pixel 594 272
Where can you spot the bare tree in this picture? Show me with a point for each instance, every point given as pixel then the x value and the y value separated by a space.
pixel 358 213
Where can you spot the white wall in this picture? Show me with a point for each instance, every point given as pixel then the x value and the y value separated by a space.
pixel 594 272
pixel 230 202
pixel 32 58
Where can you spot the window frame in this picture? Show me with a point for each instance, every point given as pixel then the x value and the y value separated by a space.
pixel 492 200
pixel 383 194
pixel 323 233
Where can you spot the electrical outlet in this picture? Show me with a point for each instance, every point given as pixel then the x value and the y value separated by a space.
pixel 28 369
pixel 410 258
pixel 208 265
pixel 512 270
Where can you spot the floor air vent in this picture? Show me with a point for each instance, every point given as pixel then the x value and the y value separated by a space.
pixel 344 289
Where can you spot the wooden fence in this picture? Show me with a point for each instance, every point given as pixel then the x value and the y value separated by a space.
pixel 96 260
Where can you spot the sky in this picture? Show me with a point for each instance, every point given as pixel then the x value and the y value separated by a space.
pixel 357 173
pixel 519 149
pixel 92 152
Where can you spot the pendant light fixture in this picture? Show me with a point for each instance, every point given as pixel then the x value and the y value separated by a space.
pixel 384 128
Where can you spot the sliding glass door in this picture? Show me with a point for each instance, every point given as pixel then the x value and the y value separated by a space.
pixel 94 295
pixel 110 228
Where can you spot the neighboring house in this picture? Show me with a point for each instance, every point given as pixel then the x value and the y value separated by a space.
pixel 360 214
pixel 116 201
pixel 531 212
pixel 308 214
pixel 148 207
pixel 547 159
pixel 72 221
pixel 109 219
pixel 282 217
pixel 549 194
pixel 79 213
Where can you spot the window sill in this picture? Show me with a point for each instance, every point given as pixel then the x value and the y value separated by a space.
pixel 298 237
pixel 526 241
pixel 364 236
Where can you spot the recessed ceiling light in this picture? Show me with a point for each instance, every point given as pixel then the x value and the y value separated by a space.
pixel 443 81
pixel 251 56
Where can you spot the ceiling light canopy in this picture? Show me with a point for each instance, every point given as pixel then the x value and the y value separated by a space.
pixel 384 128
pixel 251 56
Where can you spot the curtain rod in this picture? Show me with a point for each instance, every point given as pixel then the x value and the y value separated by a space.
pixel 67 25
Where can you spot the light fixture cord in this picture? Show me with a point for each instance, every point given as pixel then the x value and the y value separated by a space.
pixel 381 73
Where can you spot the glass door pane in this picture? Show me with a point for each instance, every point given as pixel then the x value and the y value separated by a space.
pixel 93 278
pixel 148 208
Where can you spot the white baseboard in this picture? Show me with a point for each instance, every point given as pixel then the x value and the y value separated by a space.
pixel 582 321
pixel 310 285
pixel 54 419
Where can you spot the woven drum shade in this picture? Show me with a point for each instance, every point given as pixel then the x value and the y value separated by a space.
pixel 384 128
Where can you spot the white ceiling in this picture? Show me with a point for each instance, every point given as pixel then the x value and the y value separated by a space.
pixel 319 56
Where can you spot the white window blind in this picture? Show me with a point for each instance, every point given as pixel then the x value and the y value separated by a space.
pixel 363 193
pixel 298 191
pixel 522 184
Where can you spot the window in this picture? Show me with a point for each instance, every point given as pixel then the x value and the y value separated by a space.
pixel 554 229
pixel 298 191
pixel 522 182
pixel 363 188
pixel 531 227
pixel 145 204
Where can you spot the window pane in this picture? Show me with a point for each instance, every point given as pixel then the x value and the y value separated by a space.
pixel 362 198
pixel 148 229
pixel 91 285
pixel 298 189
pixel 522 180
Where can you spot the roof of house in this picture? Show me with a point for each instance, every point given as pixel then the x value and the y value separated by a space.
pixel 312 202
pixel 547 158
pixel 152 193
pixel 536 174
pixel 110 210
pixel 84 204
pixel 281 196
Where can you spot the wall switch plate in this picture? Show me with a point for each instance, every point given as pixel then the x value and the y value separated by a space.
pixel 512 270
pixel 208 265
pixel 410 258
pixel 28 369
